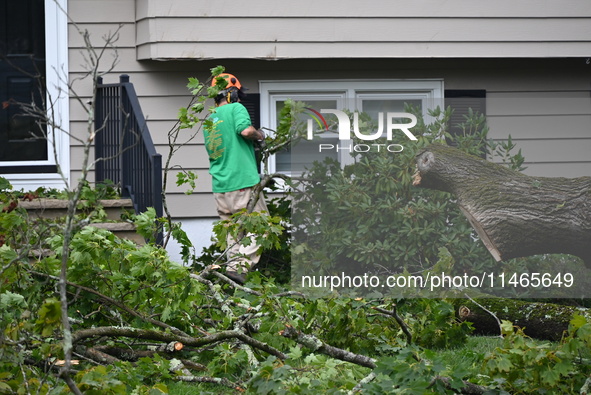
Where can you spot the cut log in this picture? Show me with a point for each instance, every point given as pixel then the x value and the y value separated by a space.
pixel 515 215
pixel 546 321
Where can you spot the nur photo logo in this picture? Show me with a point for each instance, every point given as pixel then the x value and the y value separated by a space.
pixel 391 120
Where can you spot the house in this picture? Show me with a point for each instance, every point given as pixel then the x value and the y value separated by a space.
pixel 526 65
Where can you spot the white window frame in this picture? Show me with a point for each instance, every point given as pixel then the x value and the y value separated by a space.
pixel 338 96
pixel 429 91
pixel 56 71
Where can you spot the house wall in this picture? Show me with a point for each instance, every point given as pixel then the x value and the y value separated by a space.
pixel 269 29
pixel 537 92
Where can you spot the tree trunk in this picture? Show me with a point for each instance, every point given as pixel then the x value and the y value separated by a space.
pixel 515 215
pixel 547 321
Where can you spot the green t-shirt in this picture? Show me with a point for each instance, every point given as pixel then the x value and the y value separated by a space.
pixel 232 163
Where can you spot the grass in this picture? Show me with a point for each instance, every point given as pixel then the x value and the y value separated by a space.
pixel 472 353
pixel 181 388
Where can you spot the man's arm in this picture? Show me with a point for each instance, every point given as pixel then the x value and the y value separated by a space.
pixel 252 134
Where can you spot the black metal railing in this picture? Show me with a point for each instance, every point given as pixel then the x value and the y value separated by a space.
pixel 123 142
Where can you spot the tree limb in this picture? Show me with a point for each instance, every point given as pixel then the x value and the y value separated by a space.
pixel 150 334
pixel 398 319
pixel 129 354
pixel 213 380
pixel 315 344
pixel 468 388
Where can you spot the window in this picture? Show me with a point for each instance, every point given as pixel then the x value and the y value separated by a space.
pixel 22 68
pixel 463 102
pixel 369 96
pixel 34 40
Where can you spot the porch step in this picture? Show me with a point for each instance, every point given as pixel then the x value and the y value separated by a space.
pixel 124 230
pixel 55 208
pixel 114 208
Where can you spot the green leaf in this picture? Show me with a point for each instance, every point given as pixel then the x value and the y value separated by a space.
pixel 193 83
pixel 49 316
pixel 5 185
pixel 506 327
pixel 158 389
pixel 11 300
pixel 295 352
pixel 217 70
pixel 578 321
pixel 503 364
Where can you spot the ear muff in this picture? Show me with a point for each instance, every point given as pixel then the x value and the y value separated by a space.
pixel 233 91
pixel 232 95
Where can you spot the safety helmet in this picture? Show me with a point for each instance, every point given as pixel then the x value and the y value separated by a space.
pixel 233 90
pixel 230 79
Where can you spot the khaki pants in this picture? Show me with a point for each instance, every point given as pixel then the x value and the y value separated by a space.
pixel 240 258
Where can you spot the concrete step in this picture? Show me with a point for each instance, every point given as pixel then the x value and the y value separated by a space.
pixel 124 230
pixel 55 208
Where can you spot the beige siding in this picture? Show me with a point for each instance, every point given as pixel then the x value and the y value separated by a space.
pixel 192 206
pixel 96 18
pixel 540 103
pixel 355 9
pixel 547 126
pixel 125 39
pixel 269 29
pixel 101 11
pixel 553 129
pixel 278 51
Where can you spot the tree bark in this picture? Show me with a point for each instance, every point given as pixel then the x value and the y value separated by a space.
pixel 149 334
pixel 515 215
pixel 315 344
pixel 546 321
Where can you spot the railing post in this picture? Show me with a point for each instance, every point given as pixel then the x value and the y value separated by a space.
pixel 124 137
pixel 99 117
pixel 157 192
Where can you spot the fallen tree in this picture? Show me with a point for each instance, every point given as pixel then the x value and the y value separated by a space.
pixel 515 215
pixel 546 321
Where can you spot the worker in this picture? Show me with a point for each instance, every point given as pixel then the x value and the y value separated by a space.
pixel 229 142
